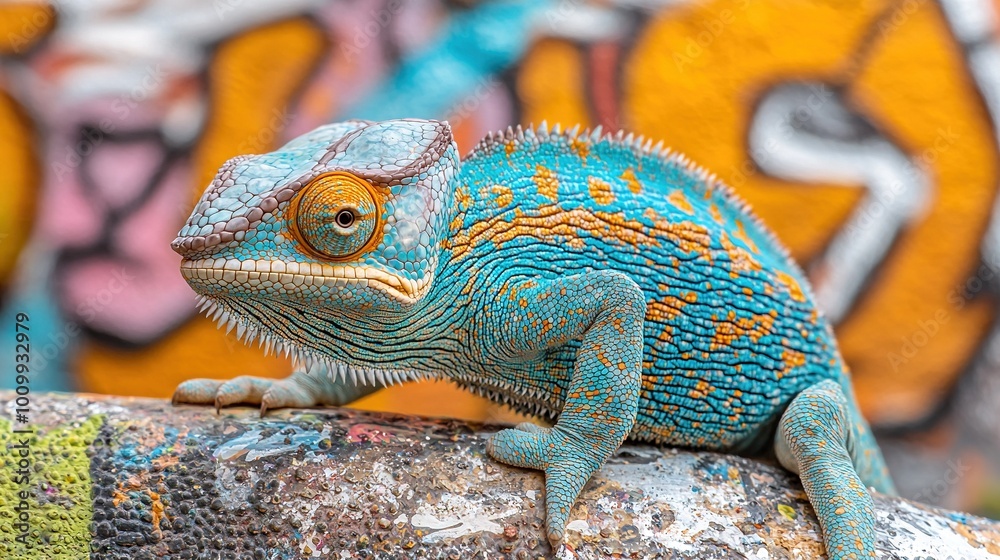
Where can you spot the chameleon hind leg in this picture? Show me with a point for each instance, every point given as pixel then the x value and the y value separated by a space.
pixel 303 388
pixel 823 439
pixel 605 311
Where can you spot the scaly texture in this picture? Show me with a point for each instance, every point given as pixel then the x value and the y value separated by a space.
pixel 594 280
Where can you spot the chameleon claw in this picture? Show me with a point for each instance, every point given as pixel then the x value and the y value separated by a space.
pixel 555 540
pixel 263 409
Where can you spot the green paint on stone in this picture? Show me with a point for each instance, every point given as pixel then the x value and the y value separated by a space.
pixel 59 486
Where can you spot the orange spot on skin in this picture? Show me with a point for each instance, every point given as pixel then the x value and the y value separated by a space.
pixel 701 389
pixel 581 148
pixel 716 214
pixel 740 259
pixel 631 181
pixel 665 310
pixel 509 147
pixel 741 234
pixel 554 224
pixel 504 196
pixel 680 202
pixel 689 237
pixel 791 285
pixel 547 183
pixel 791 360
pixel 463 198
pixel 660 433
pixel 754 328
pixel 600 191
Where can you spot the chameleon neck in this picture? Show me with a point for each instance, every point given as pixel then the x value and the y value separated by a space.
pixel 416 341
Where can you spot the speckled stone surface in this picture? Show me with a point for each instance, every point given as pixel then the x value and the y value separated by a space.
pixel 138 478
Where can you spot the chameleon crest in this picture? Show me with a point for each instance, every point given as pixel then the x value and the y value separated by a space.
pixel 598 281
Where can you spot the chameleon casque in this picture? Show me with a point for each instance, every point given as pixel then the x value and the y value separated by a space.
pixel 595 280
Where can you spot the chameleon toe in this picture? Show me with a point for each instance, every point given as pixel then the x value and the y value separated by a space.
pixel 243 389
pixel 196 391
pixel 567 467
pixel 521 448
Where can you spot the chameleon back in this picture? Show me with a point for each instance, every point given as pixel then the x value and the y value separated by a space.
pixel 731 331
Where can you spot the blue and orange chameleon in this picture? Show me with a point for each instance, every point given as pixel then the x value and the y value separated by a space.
pixel 595 280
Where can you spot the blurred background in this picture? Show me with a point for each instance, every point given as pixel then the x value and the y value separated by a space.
pixel 863 131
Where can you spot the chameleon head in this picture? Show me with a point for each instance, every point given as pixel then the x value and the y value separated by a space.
pixel 348 216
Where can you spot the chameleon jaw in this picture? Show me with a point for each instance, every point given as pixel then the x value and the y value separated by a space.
pixel 297 277
pixel 226 316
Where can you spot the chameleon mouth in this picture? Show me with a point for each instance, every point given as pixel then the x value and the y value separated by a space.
pixel 293 276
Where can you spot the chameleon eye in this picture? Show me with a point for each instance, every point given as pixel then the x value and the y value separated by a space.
pixel 345 218
pixel 336 215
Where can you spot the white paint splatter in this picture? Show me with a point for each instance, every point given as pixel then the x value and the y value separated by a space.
pixel 455 516
pixel 923 533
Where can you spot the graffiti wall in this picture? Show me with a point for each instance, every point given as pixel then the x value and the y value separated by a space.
pixel 863 131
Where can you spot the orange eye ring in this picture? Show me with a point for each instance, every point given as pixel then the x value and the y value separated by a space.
pixel 316 217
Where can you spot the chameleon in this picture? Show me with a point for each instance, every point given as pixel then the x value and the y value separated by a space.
pixel 599 282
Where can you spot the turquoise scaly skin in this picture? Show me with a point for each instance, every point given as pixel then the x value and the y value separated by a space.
pixel 597 281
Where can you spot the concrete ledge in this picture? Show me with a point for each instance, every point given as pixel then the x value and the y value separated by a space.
pixel 137 478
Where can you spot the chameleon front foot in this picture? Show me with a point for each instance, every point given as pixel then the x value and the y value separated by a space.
pixel 268 393
pixel 302 389
pixel 568 465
